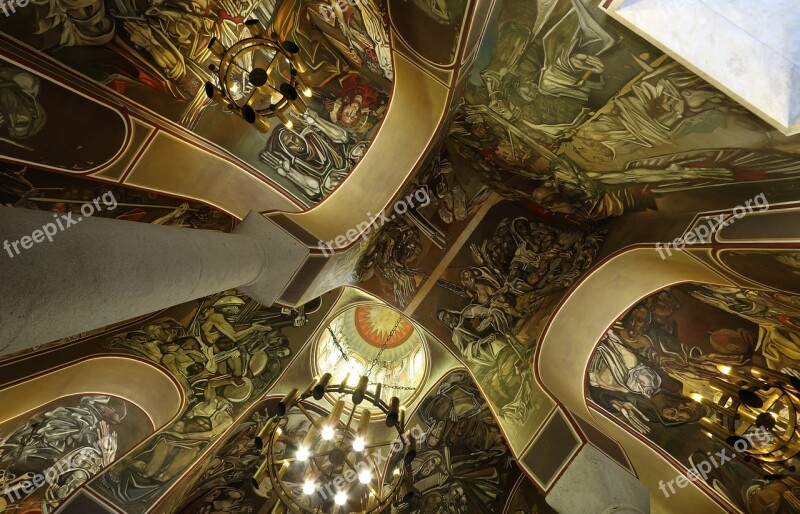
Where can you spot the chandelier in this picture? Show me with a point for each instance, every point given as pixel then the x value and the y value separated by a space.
pixel 258 78
pixel 331 468
pixel 753 398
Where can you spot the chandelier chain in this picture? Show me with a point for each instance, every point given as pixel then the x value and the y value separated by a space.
pixel 375 360
pixel 385 343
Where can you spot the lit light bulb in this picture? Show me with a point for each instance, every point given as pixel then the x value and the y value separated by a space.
pixel 340 498
pixel 302 454
pixel 396 472
pixel 279 431
pixel 364 477
pixel 308 487
pixel 307 92
pixel 289 125
pixel 359 444
pixel 327 433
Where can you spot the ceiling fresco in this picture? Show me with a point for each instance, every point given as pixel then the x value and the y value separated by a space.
pixel 343 351
pixel 463 463
pixel 155 54
pixel 67 442
pixel 224 483
pixel 568 120
pixel 668 347
pixel 39 121
pixel 568 126
pixel 29 188
pixel 225 351
pixel 569 110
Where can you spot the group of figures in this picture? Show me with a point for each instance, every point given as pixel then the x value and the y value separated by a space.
pixel 582 118
pixel 61 447
pixel 225 483
pixel 31 189
pixel 230 351
pixel 515 273
pixel 463 462
pixel 156 53
pixel 672 343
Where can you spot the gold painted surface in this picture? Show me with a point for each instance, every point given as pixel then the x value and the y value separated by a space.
pixel 567 346
pixel 203 177
pixel 418 104
pixel 139 138
pixel 143 384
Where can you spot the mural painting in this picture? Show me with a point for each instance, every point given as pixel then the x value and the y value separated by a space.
pixel 670 346
pixel 394 260
pixel 67 442
pixel 463 463
pixel 492 300
pixel 225 351
pixel 574 113
pixel 32 189
pixel 156 54
pixel 225 481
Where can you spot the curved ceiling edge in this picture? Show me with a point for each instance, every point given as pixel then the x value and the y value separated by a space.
pixel 110 374
pixel 412 121
pixel 566 348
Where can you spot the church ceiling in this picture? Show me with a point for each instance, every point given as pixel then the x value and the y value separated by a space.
pixel 157 57
pixel 566 127
pixel 655 359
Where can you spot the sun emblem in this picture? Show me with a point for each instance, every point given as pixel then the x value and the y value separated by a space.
pixel 374 324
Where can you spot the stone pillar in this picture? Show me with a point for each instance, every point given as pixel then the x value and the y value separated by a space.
pixel 101 271
pixel 595 483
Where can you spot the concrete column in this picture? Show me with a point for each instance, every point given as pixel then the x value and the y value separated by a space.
pixel 594 483
pixel 100 271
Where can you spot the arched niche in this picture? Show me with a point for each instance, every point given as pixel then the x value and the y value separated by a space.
pixel 569 341
pixel 61 428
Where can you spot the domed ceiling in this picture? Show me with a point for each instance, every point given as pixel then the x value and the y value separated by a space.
pixel 352 345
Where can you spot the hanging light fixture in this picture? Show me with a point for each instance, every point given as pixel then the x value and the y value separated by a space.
pixel 251 77
pixel 752 398
pixel 333 450
pixel 334 458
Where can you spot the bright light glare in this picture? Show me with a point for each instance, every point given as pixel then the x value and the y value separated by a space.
pixel 307 91
pixel 308 487
pixel 696 397
pixel 340 498
pixel 327 433
pixel 396 471
pixel 725 370
pixel 302 454
pixel 364 477
pixel 358 444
